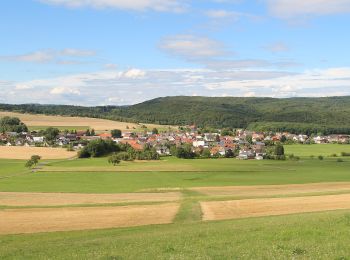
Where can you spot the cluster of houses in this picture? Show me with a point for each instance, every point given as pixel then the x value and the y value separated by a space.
pixel 245 144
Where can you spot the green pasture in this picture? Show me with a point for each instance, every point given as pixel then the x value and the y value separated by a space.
pixel 97 176
pixel 304 236
pixel 317 149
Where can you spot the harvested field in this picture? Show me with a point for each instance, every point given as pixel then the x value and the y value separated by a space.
pixel 16 221
pixel 24 153
pixel 271 190
pixel 219 210
pixel 57 199
pixel 97 124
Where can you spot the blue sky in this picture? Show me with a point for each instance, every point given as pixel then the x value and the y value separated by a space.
pixel 118 52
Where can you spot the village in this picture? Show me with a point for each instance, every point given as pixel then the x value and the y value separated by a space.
pixel 239 143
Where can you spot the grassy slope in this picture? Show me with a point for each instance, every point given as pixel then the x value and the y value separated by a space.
pixel 304 236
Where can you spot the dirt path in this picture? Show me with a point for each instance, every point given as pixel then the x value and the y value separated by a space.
pixel 219 210
pixel 57 199
pixel 271 190
pixel 16 221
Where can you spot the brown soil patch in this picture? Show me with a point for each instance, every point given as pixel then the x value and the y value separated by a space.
pixel 219 210
pixel 58 199
pixel 271 190
pixel 16 221
pixel 24 153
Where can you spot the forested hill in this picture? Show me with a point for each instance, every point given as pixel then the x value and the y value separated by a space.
pixel 330 114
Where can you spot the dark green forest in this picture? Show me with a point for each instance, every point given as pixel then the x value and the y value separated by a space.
pixel 326 115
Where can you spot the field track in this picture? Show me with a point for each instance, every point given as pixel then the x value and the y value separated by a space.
pixel 16 221
pixel 24 153
pixel 272 190
pixel 59 199
pixel 220 210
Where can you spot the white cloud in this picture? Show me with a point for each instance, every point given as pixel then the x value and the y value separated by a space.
pixel 134 74
pixel 288 9
pixel 77 52
pixel 50 55
pixel 115 88
pixel 277 47
pixel 193 48
pixel 134 5
pixel 64 90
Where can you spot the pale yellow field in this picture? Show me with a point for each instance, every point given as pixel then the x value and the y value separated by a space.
pixel 60 199
pixel 16 221
pixel 219 210
pixel 24 153
pixel 97 124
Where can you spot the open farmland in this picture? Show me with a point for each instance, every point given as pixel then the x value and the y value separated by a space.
pixel 24 152
pixel 219 210
pixel 61 219
pixel 165 206
pixel 39 122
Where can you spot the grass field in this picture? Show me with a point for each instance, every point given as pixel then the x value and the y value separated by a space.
pixel 317 149
pixel 303 236
pixel 230 182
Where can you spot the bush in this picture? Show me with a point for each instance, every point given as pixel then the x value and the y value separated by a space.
pixel 320 157
pixel 113 159
pixel 345 154
pixel 124 156
pixel 340 160
pixel 293 157
pixel 98 148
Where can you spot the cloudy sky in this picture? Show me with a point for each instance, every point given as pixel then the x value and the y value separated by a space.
pixel 119 52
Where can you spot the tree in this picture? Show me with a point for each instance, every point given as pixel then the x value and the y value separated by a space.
pixel 12 124
pixel 92 132
pixel 51 134
pixel 35 159
pixel 206 153
pixel 29 164
pixel 249 139
pixel 155 131
pixel 113 159
pixel 229 153
pixel 283 138
pixel 87 133
pixel 116 133
pixel 279 150
pixel 32 161
pixel 98 148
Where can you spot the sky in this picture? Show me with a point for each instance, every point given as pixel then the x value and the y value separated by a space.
pixel 123 52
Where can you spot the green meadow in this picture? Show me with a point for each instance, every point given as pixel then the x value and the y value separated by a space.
pixel 324 235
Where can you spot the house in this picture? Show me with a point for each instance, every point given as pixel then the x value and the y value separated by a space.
pixel 320 140
pixel 163 150
pixel 38 139
pixel 217 150
pixel 105 136
pixel 246 154
pixel 199 143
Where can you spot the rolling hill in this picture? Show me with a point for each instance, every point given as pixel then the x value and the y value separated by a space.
pixel 327 114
